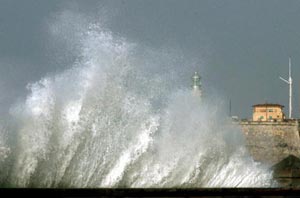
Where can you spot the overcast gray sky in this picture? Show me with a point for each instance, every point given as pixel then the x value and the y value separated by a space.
pixel 244 45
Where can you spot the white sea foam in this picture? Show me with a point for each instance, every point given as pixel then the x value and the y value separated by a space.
pixel 111 121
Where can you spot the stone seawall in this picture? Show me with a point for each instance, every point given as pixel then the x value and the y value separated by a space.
pixel 270 142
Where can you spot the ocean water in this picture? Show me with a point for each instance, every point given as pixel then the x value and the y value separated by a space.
pixel 117 118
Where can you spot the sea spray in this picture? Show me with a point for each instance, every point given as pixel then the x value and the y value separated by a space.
pixel 109 121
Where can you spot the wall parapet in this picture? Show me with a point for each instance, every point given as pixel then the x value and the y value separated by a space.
pixel 283 123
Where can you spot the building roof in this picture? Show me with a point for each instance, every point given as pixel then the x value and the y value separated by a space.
pixel 268 105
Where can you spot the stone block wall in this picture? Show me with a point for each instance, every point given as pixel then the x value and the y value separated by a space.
pixel 270 142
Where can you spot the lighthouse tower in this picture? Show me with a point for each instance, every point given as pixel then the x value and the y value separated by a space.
pixel 197 85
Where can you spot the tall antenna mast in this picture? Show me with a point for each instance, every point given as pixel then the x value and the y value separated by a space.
pixel 290 83
pixel 230 107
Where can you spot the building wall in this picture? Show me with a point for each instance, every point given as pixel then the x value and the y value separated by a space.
pixel 270 142
pixel 266 113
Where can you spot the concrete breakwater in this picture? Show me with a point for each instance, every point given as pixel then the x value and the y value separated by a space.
pixel 271 142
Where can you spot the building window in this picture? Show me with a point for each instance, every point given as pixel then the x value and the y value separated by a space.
pixel 261 117
pixel 270 110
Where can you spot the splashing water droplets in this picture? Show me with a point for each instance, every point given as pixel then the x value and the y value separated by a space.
pixel 101 124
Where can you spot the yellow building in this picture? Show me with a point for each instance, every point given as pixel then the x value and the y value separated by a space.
pixel 268 112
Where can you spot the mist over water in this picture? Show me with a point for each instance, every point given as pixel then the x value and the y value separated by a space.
pixel 120 116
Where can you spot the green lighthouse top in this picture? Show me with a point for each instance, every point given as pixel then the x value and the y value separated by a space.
pixel 196 81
